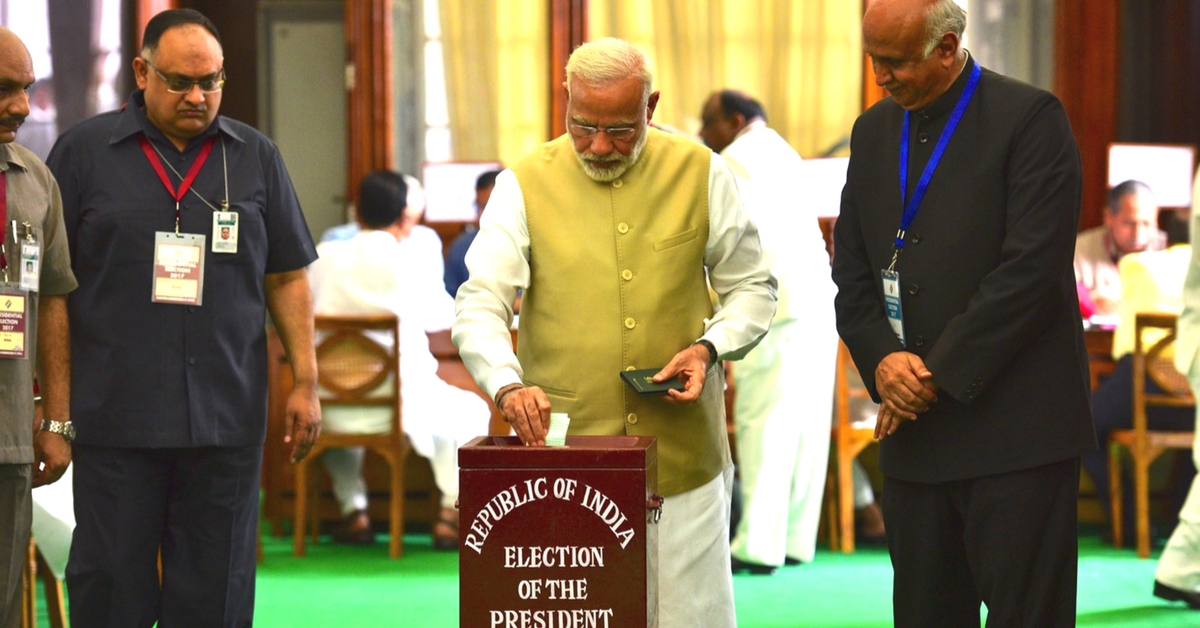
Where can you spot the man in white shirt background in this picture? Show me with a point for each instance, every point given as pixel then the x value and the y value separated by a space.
pixel 383 268
pixel 785 385
pixel 1130 226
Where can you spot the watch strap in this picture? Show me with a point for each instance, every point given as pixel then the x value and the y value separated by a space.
pixel 62 428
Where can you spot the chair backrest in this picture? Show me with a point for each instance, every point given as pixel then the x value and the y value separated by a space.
pixel 1154 340
pixel 356 363
pixel 847 386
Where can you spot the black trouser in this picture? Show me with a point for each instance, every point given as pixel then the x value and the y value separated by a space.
pixel 1008 541
pixel 199 504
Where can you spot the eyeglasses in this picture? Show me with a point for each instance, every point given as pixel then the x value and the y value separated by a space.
pixel 619 133
pixel 177 85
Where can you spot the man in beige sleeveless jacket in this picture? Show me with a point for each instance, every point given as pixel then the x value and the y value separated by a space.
pixel 615 231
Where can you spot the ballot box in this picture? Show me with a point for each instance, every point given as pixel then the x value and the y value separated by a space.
pixel 558 537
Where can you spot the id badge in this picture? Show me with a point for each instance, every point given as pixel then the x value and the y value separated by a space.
pixel 31 265
pixel 14 314
pixel 891 303
pixel 178 268
pixel 225 232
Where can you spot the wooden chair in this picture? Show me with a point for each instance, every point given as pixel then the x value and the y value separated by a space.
pixel 848 441
pixel 350 367
pixel 35 567
pixel 1146 445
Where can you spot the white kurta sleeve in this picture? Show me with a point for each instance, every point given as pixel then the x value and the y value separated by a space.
pixel 737 270
pixel 498 262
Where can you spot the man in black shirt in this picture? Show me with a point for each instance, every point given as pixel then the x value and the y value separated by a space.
pixel 167 328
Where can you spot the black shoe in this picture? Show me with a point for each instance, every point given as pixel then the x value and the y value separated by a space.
pixel 754 568
pixel 445 530
pixel 792 562
pixel 871 540
pixel 355 529
pixel 1171 594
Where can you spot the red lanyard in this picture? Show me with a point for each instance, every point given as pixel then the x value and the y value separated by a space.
pixel 3 215
pixel 184 185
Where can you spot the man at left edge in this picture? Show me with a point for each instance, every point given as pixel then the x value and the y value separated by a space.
pixel 30 221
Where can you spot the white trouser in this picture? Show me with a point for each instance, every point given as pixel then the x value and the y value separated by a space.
pixel 864 494
pixel 695 585
pixel 439 420
pixel 345 472
pixel 784 401
pixel 54 521
pixel 1179 565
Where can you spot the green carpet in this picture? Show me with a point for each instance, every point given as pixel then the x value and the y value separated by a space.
pixel 359 586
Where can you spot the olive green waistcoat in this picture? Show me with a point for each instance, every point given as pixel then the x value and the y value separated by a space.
pixel 616 283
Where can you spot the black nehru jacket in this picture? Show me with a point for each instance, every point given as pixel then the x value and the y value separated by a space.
pixel 987 284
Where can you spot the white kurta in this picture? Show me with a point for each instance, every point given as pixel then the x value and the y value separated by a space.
pixel 785 385
pixel 372 273
pixel 695 586
pixel 499 265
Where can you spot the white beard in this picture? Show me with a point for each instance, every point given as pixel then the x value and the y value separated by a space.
pixel 624 162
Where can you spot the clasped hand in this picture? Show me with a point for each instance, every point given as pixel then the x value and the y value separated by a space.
pixel 905 388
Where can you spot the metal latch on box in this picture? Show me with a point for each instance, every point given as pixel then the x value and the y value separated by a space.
pixel 654 507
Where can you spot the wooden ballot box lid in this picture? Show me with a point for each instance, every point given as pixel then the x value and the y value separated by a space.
pixel 616 452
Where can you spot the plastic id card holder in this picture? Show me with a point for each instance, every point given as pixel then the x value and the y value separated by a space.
pixel 891 303
pixel 225 232
pixel 14 316
pixel 30 267
pixel 178 268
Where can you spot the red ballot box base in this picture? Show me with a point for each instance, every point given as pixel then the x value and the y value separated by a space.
pixel 558 537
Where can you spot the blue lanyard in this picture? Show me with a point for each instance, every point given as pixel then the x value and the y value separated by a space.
pixel 910 208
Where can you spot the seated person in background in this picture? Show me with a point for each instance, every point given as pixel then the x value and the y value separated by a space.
pixel 414 209
pixel 385 268
pixel 1130 226
pixel 456 259
pixel 868 516
pixel 1151 282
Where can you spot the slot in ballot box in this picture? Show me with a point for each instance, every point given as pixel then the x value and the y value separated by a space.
pixel 558 536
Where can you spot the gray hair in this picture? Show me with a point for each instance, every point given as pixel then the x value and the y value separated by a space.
pixel 1123 189
pixel 606 61
pixel 943 16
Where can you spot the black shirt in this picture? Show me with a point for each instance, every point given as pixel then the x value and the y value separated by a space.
pixel 149 374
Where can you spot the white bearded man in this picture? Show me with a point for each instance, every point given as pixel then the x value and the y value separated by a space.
pixel 611 230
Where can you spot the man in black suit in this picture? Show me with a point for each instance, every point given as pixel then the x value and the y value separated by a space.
pixel 976 351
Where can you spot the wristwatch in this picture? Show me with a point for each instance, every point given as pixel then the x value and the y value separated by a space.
pixel 62 428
